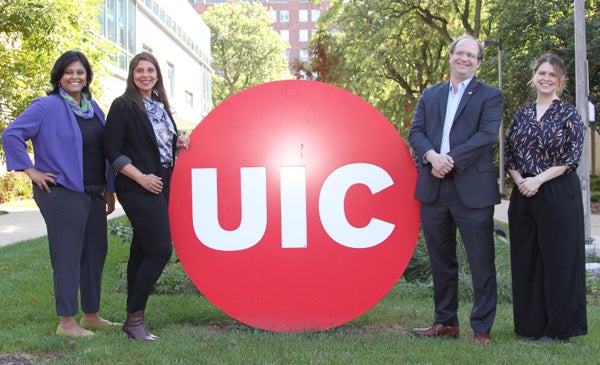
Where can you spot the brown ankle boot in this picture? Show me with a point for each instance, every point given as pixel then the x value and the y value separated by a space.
pixel 135 327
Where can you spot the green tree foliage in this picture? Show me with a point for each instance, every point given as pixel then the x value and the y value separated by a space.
pixel 33 33
pixel 245 49
pixel 528 30
pixel 387 52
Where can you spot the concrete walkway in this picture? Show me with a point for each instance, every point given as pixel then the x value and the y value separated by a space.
pixel 21 224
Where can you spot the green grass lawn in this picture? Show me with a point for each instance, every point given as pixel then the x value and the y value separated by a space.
pixel 193 331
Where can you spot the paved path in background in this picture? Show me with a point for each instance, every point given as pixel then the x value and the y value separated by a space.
pixel 22 224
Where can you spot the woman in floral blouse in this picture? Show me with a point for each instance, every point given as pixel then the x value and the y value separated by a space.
pixel 544 145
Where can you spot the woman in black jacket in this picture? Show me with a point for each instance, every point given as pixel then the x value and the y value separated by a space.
pixel 141 143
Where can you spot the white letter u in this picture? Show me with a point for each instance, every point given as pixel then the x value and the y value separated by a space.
pixel 205 213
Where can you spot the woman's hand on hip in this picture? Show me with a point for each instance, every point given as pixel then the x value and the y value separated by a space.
pixel 41 179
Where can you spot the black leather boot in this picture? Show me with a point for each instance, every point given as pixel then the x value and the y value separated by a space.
pixel 135 327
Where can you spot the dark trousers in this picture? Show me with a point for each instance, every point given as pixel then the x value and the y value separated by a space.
pixel 77 238
pixel 547 248
pixel 439 221
pixel 151 245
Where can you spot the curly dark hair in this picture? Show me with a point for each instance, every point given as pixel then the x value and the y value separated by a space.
pixel 59 70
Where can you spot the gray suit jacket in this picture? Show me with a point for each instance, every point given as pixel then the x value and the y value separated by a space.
pixel 472 139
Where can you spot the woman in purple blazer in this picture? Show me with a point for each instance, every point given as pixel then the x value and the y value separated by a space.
pixel 72 185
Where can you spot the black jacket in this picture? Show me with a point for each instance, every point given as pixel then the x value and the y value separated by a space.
pixel 129 136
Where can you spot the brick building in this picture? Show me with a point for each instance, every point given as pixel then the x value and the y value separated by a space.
pixel 294 20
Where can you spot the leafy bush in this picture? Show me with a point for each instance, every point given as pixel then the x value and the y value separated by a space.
pixel 419 269
pixel 595 183
pixel 592 285
pixel 173 280
pixel 15 186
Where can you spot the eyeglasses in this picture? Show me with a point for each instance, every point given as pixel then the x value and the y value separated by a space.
pixel 468 54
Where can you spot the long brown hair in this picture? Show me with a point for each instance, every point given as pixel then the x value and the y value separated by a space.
pixel 158 91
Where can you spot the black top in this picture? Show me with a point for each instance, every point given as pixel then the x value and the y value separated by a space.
pixel 92 132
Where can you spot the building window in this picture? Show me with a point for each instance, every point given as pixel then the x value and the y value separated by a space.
pixel 170 82
pixel 109 19
pixel 315 15
pixel 303 16
pixel 189 99
pixel 164 18
pixel 285 35
pixel 303 55
pixel 284 16
pixel 118 25
pixel 131 11
pixel 303 35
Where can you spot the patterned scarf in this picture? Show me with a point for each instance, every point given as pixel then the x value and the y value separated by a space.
pixel 86 111
pixel 163 127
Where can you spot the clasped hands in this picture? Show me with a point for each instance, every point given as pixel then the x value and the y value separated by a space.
pixel 529 186
pixel 441 164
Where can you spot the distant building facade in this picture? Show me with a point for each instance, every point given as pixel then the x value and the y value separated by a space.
pixel 180 40
pixel 294 21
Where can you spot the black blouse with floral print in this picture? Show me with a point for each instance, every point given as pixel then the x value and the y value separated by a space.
pixel 533 146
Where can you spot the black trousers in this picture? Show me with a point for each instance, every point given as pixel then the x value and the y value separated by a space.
pixel 77 239
pixel 151 245
pixel 439 221
pixel 547 247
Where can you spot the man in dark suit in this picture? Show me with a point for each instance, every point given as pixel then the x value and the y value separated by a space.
pixel 453 132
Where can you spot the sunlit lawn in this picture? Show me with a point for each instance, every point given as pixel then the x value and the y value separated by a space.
pixel 192 331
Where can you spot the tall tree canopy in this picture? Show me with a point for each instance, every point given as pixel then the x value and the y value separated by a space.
pixel 388 51
pixel 33 33
pixel 530 29
pixel 245 49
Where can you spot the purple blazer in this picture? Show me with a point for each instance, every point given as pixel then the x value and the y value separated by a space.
pixel 57 143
